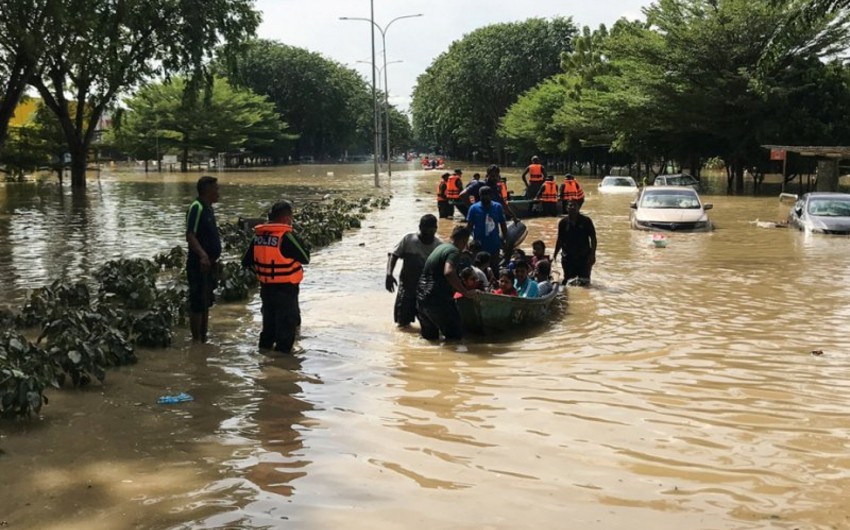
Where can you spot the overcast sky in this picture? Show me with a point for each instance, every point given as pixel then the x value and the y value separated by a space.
pixel 315 25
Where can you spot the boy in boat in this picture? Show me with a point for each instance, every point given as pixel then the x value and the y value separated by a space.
pixel 434 295
pixel 413 249
pixel 506 283
pixel 538 253
pixel 543 277
pixel 525 286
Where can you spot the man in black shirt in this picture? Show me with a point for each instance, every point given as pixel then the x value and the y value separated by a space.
pixel 577 239
pixel 204 251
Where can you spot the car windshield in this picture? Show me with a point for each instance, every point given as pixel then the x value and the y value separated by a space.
pixel 829 207
pixel 670 199
pixel 681 180
pixel 617 181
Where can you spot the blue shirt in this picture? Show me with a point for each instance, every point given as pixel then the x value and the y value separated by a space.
pixel 528 289
pixel 485 225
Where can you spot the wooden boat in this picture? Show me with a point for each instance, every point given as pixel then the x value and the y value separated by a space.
pixel 493 313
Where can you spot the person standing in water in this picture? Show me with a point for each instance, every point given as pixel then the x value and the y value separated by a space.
pixel 204 250
pixel 413 249
pixel 276 255
pixel 577 240
pixel 536 175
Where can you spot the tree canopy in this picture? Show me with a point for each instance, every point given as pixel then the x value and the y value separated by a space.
pixel 459 100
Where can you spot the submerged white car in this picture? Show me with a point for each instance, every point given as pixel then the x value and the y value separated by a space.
pixel 670 208
pixel 618 185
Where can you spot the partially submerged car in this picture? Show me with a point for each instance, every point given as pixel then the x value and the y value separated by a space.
pixel 676 180
pixel 618 185
pixel 824 212
pixel 670 208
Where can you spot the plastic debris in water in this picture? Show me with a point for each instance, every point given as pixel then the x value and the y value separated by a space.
pixel 659 240
pixel 179 398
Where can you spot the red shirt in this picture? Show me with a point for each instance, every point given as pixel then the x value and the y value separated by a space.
pixel 511 292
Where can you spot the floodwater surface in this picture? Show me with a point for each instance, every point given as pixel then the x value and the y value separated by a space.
pixel 678 392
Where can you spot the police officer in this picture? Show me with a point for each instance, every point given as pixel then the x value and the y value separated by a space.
pixel 276 255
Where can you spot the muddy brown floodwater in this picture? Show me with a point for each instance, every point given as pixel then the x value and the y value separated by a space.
pixel 678 392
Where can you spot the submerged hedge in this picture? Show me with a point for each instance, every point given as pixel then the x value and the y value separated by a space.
pixel 82 329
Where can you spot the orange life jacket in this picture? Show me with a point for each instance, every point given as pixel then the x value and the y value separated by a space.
pixel 503 191
pixel 571 191
pixel 535 173
pixel 271 266
pixel 440 196
pixel 550 191
pixel 452 188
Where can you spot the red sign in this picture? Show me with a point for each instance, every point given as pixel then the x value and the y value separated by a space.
pixel 777 154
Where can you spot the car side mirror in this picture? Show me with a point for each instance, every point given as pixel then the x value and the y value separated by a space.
pixel 708 206
pixel 798 211
pixel 633 205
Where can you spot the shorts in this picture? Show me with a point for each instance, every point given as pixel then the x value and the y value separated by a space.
pixel 201 288
pixel 440 317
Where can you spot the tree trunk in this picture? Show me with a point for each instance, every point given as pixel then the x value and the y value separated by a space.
pixel 78 164
pixel 739 177
pixel 184 160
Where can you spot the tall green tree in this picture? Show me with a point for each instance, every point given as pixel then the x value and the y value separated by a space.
pixel 327 104
pixel 108 46
pixel 459 100
pixel 25 28
pixel 160 117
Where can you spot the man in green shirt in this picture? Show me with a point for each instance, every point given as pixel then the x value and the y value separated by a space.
pixel 435 294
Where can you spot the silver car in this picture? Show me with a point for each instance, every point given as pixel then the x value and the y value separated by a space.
pixel 676 180
pixel 670 208
pixel 824 212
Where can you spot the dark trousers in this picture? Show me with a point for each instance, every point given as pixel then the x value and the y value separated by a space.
pixel 462 207
pixel 533 188
pixel 575 267
pixel 404 312
pixel 550 209
pixel 445 209
pixel 281 316
pixel 440 317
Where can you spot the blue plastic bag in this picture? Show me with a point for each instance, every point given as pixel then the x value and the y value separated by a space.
pixel 179 398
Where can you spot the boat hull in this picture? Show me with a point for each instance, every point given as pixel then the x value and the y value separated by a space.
pixel 493 313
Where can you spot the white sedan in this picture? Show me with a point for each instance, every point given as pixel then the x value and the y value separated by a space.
pixel 618 185
pixel 670 208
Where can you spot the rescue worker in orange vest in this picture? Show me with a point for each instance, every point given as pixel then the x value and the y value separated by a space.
pixel 571 191
pixel 453 189
pixel 536 175
pixel 548 195
pixel 276 255
pixel 445 209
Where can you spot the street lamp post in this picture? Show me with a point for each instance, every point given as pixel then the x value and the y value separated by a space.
pixel 386 106
pixel 383 31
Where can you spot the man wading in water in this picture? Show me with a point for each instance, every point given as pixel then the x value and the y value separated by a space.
pixel 204 251
pixel 413 249
pixel 276 255
pixel 437 285
pixel 577 238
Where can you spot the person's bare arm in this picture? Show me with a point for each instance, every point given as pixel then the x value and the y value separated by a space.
pixel 391 282
pixel 450 273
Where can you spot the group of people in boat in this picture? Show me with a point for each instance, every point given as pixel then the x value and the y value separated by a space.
pixel 540 187
pixel 434 273
pixel 432 163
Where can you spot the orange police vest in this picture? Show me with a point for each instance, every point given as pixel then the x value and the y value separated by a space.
pixel 550 191
pixel 271 266
pixel 535 173
pixel 452 188
pixel 503 190
pixel 440 196
pixel 572 191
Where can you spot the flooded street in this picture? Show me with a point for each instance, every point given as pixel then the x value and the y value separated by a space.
pixel 678 392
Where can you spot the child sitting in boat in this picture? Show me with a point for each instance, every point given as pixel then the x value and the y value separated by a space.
pixel 525 286
pixel 543 277
pixel 517 256
pixel 482 264
pixel 538 253
pixel 470 280
pixel 506 283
